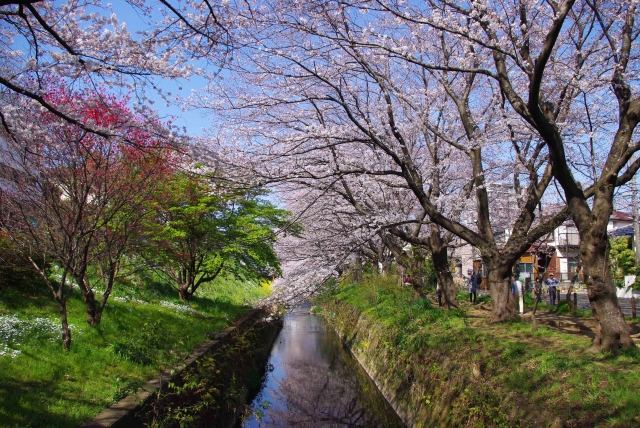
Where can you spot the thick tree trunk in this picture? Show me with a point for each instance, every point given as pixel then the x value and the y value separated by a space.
pixel 440 257
pixel 92 307
pixel 499 279
pixel 444 277
pixel 89 299
pixel 612 331
pixel 66 331
pixel 184 292
pixel 400 272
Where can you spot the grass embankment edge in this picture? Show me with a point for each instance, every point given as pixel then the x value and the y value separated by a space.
pixel 145 330
pixel 153 404
pixel 446 368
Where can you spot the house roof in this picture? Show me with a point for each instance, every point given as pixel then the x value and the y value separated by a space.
pixel 541 247
pixel 621 215
pixel 623 231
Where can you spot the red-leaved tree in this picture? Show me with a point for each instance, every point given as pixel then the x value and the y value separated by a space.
pixel 74 197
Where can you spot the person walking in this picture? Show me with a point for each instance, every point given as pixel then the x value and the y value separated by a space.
pixel 473 288
pixel 553 287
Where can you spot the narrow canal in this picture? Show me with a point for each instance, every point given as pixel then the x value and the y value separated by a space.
pixel 312 381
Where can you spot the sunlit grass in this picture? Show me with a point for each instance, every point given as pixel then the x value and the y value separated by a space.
pixel 144 330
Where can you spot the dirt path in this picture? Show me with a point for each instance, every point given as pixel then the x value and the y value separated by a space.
pixel 567 324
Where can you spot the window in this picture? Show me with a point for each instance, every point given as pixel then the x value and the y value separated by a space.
pixel 573 266
pixel 526 270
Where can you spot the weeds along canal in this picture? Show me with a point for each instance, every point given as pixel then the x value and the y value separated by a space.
pixel 313 381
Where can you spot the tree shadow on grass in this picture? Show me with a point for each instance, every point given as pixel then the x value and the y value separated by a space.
pixel 217 307
pixel 25 403
pixel 28 404
pixel 575 327
pixel 29 293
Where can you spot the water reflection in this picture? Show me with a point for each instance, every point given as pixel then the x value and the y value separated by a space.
pixel 314 382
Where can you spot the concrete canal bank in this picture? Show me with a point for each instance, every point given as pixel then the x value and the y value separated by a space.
pixel 137 409
pixel 436 388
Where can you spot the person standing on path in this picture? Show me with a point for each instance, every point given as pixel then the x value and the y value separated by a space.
pixel 472 288
pixel 553 287
pixel 517 290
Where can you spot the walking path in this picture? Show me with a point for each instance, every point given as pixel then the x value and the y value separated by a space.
pixel 625 303
pixel 564 323
pixel 583 301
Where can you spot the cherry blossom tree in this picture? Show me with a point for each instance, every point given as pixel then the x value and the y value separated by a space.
pixel 324 88
pixel 84 45
pixel 568 72
pixel 529 93
pixel 335 239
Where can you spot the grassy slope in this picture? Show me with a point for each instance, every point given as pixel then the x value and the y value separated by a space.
pixel 455 369
pixel 45 386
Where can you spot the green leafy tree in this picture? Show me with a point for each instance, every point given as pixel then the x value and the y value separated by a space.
pixel 622 258
pixel 199 231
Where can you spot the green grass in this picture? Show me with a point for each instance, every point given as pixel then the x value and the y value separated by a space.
pixel 560 309
pixel 486 363
pixel 144 330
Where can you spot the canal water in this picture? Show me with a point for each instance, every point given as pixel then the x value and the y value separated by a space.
pixel 312 381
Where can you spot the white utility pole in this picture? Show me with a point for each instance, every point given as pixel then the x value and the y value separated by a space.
pixel 634 212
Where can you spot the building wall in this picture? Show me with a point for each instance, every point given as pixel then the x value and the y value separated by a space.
pixel 465 255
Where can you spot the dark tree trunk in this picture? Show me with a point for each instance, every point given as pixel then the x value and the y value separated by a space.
pixel 612 331
pixel 89 299
pixel 499 279
pixel 184 292
pixel 444 277
pixel 92 307
pixel 66 331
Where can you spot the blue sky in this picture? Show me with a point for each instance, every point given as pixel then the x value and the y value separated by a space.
pixel 195 121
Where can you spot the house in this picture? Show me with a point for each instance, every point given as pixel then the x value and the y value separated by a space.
pixel 619 220
pixel 556 252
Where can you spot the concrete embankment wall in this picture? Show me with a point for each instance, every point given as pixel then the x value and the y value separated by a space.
pixel 432 388
pixel 368 344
